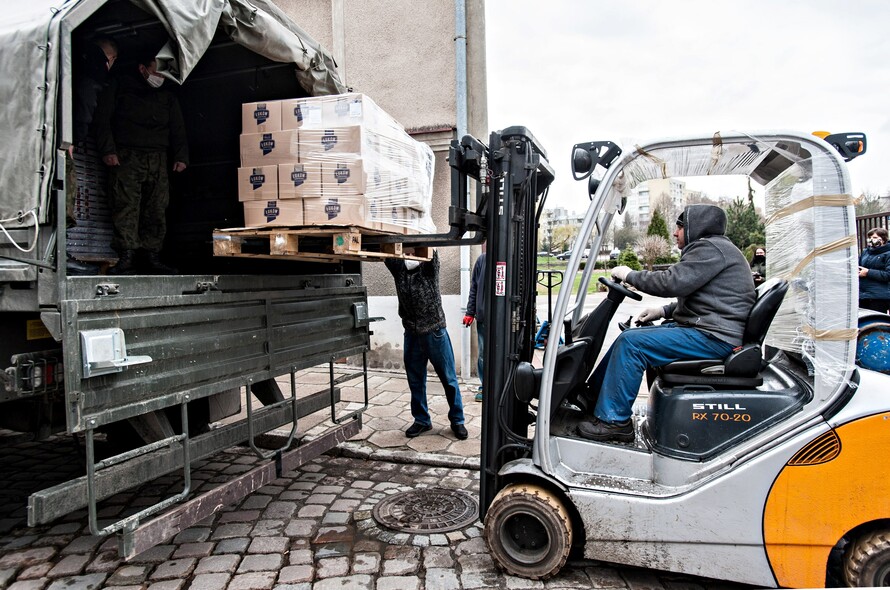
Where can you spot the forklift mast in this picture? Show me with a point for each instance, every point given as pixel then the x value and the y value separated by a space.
pixel 512 176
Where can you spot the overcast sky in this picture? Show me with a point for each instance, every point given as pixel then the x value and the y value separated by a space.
pixel 634 70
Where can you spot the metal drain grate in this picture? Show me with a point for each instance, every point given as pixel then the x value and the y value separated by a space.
pixel 427 511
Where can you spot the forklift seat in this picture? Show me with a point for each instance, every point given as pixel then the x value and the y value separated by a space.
pixel 742 367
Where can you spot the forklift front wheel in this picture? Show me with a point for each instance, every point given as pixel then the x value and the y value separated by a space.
pixel 528 531
pixel 867 561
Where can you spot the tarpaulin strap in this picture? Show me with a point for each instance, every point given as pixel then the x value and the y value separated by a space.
pixel 839 335
pixel 841 244
pixel 716 152
pixel 841 200
pixel 655 160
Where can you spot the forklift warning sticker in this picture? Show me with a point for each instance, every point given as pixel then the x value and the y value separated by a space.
pixel 500 279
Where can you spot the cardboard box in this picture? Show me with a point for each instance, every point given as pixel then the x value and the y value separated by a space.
pixel 261 117
pixel 273 148
pixel 345 178
pixel 299 181
pixel 338 211
pixel 321 144
pixel 273 213
pixel 301 112
pixel 258 183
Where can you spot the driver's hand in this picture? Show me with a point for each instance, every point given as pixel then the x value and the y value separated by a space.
pixel 619 273
pixel 650 315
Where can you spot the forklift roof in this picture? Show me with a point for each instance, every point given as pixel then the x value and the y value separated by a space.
pixel 35 37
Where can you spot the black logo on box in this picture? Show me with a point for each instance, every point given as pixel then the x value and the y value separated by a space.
pixel 298 176
pixel 341 173
pixel 267 144
pixel 261 114
pixel 298 113
pixel 257 179
pixel 271 211
pixel 329 140
pixel 332 208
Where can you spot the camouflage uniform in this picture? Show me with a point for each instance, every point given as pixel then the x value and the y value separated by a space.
pixel 139 124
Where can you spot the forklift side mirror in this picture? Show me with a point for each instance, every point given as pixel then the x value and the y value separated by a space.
pixel 526 382
pixel 582 163
pixel 592 185
pixel 850 145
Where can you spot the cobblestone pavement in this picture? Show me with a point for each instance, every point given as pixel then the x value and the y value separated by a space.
pixel 312 528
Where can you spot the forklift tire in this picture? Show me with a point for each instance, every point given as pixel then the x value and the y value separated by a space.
pixel 528 531
pixel 867 561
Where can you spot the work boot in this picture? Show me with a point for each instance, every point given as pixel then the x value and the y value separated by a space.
pixel 75 268
pixel 155 266
pixel 595 429
pixel 126 264
pixel 460 431
pixel 417 429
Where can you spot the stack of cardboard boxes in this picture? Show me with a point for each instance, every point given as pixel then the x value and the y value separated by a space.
pixel 332 160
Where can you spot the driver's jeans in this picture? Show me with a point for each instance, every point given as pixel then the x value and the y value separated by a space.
pixel 616 380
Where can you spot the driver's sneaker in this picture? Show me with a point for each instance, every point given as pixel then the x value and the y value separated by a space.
pixel 595 429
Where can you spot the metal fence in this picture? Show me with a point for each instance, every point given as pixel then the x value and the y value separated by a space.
pixel 867 222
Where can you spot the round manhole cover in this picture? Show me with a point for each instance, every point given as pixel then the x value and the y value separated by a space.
pixel 427 511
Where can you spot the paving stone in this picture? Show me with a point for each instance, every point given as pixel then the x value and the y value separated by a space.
pixel 471 547
pixel 218 564
pixel 472 581
pixel 232 530
pixel 127 575
pixel 157 554
pixel 296 574
pixel 300 528
pixel 480 564
pixel 332 550
pixel 236 545
pixel 515 583
pixel 268 528
pixel 27 585
pixel 269 545
pixel 342 505
pixel 83 544
pixel 168 585
pixel 312 511
pixel 257 502
pixel 260 563
pixel 194 550
pixel 569 578
pixel 70 565
pixel 239 516
pixel 27 558
pixel 252 581
pixel 400 583
pixel 105 562
pixel 335 518
pixel 333 534
pixel 320 499
pixel 400 566
pixel 437 557
pixel 209 582
pixel 359 582
pixel 605 577
pixel 366 563
pixel 441 579
pixel 33 572
pixel 88 582
pixel 332 567
pixel 175 568
pixel 193 535
pixel 280 510
pixel 300 556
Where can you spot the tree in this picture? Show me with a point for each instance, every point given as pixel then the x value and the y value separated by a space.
pixel 664 204
pixel 626 235
pixel 869 203
pixel 563 235
pixel 743 225
pixel 651 248
pixel 657 226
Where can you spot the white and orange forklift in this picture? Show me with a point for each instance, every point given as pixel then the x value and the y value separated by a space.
pixel 768 467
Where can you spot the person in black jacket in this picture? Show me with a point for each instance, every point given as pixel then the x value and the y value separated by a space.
pixel 874 272
pixel 426 340
pixel 476 312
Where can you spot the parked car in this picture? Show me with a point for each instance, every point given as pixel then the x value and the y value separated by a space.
pixel 564 256
pixel 544 253
pixel 614 254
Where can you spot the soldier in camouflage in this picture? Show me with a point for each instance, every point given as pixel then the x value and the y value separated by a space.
pixel 137 124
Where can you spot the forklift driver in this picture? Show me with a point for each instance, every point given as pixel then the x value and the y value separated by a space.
pixel 715 292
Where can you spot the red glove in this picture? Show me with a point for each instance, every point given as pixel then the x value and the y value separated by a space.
pixel 468 320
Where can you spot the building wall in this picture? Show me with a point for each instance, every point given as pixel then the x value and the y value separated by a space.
pixel 401 53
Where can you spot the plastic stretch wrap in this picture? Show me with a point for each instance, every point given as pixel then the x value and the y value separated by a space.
pixel 810 234
pixel 349 161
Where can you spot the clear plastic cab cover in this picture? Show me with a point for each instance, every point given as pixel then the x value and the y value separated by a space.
pixel 810 232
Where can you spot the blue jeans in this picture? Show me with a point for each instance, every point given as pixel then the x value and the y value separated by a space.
pixel 434 347
pixel 621 371
pixel 480 339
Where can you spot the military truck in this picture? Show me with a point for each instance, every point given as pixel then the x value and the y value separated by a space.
pixel 162 356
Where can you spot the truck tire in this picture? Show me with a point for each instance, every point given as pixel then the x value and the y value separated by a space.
pixel 528 531
pixel 867 561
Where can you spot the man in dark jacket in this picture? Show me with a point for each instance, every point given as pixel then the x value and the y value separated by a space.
pixel 426 340
pixel 874 272
pixel 476 312
pixel 715 293
pixel 137 123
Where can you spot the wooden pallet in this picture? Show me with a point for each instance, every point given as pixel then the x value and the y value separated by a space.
pixel 312 243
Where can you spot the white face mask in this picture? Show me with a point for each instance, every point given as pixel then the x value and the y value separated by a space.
pixel 154 80
pixel 412 264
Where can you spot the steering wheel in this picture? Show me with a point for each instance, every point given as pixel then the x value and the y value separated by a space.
pixel 621 289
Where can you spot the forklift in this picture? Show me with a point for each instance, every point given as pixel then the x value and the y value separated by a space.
pixel 766 467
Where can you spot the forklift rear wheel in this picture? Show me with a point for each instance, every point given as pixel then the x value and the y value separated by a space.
pixel 867 561
pixel 528 531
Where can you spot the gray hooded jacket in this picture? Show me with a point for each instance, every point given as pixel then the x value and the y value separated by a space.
pixel 712 281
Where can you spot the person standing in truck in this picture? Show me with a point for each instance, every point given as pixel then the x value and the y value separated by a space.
pixel 476 312
pixel 715 293
pixel 137 123
pixel 426 341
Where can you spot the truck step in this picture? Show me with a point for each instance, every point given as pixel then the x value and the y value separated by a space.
pixel 313 243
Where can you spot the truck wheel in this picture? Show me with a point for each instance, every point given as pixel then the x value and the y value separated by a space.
pixel 867 561
pixel 528 531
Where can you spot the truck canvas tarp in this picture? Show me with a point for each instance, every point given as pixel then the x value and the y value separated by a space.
pixel 158 360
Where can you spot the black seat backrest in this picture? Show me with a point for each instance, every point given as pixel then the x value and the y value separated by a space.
pixel 769 298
